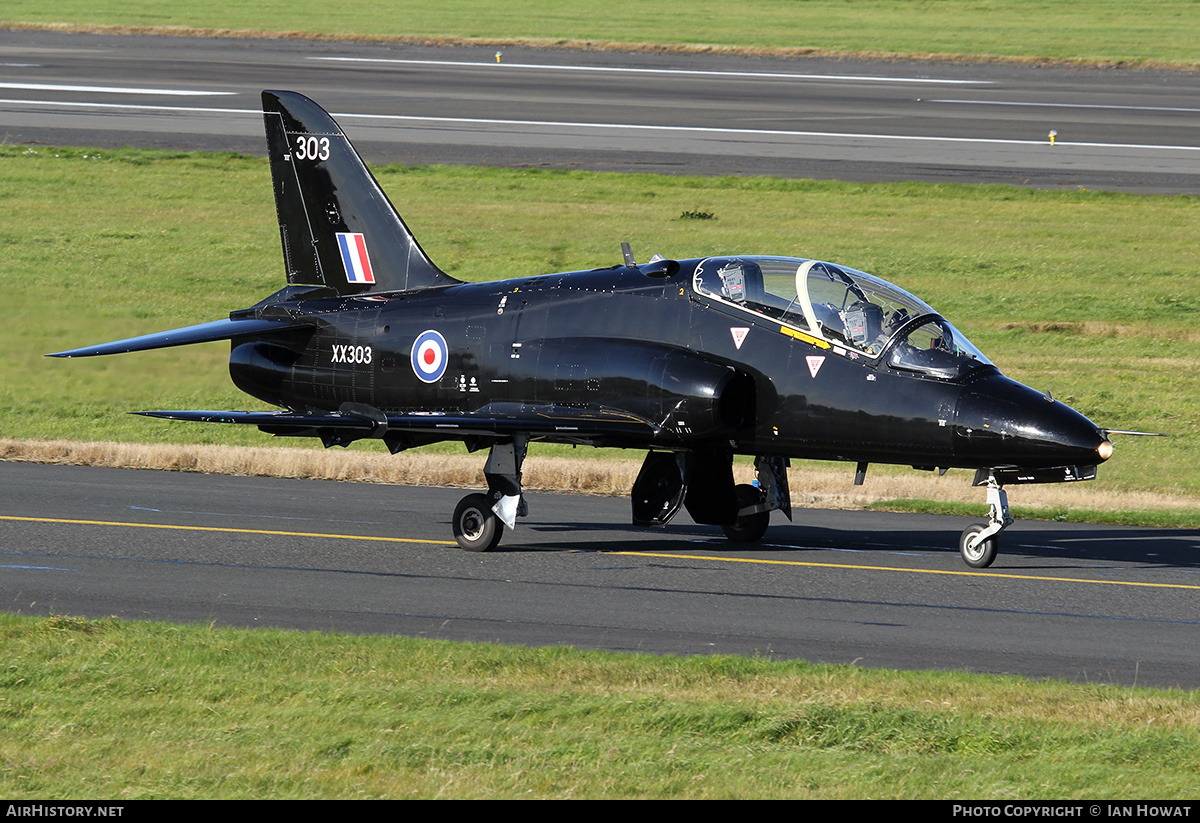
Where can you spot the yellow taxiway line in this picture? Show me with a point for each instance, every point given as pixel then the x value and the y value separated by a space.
pixel 224 529
pixel 753 560
pixel 958 573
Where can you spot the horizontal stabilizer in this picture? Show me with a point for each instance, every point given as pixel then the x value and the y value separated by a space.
pixel 225 329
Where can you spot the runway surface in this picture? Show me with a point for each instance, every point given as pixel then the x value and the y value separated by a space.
pixel 699 114
pixel 1088 603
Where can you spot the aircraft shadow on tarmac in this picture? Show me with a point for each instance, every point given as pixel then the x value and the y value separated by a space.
pixel 1035 542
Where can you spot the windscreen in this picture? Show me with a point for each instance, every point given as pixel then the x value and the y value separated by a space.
pixel 843 306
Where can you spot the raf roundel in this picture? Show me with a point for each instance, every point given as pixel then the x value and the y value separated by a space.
pixel 429 356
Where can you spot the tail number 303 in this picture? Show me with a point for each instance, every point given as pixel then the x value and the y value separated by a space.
pixel 312 148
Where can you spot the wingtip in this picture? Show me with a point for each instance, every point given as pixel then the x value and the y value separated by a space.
pixel 86 351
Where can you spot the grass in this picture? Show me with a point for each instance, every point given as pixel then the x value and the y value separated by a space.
pixel 115 709
pixel 1105 32
pixel 1082 508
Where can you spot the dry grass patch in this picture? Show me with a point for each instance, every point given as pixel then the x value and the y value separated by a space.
pixel 821 488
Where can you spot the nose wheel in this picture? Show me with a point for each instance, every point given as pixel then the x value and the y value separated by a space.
pixel 979 543
pixel 976 552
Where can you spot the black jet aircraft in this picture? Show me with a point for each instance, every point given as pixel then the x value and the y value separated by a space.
pixel 694 361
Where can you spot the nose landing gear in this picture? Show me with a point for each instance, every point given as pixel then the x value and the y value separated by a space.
pixel 980 542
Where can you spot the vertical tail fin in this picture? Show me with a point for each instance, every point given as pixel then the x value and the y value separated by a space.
pixel 338 227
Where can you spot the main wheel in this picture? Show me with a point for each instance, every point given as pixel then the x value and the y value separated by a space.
pixel 749 528
pixel 983 553
pixel 476 527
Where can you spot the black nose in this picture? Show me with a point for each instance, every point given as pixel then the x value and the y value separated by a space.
pixel 1000 422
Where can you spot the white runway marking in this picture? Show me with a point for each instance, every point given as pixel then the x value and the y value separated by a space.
pixel 112 90
pixel 1104 106
pixel 627 127
pixel 750 75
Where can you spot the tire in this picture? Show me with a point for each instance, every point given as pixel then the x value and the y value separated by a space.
pixel 476 527
pixel 751 527
pixel 983 554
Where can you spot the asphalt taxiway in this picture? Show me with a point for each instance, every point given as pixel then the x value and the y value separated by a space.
pixel 1083 602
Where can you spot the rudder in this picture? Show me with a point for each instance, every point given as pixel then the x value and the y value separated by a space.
pixel 337 226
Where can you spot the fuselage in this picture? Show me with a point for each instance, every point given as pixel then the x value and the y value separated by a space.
pixel 697 368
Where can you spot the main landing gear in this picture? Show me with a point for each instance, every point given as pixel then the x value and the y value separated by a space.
pixel 476 527
pixel 662 488
pixel 702 482
pixel 753 515
pixel 979 543
pixel 756 502
pixel 479 519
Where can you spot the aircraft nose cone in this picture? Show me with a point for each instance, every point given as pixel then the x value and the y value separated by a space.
pixel 1000 422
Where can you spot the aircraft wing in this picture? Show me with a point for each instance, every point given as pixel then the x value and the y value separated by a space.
pixel 557 422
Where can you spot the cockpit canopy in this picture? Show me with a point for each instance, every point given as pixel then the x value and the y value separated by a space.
pixel 848 309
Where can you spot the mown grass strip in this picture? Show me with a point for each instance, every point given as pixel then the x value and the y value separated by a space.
pixel 1106 32
pixel 113 709
pixel 1181 517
